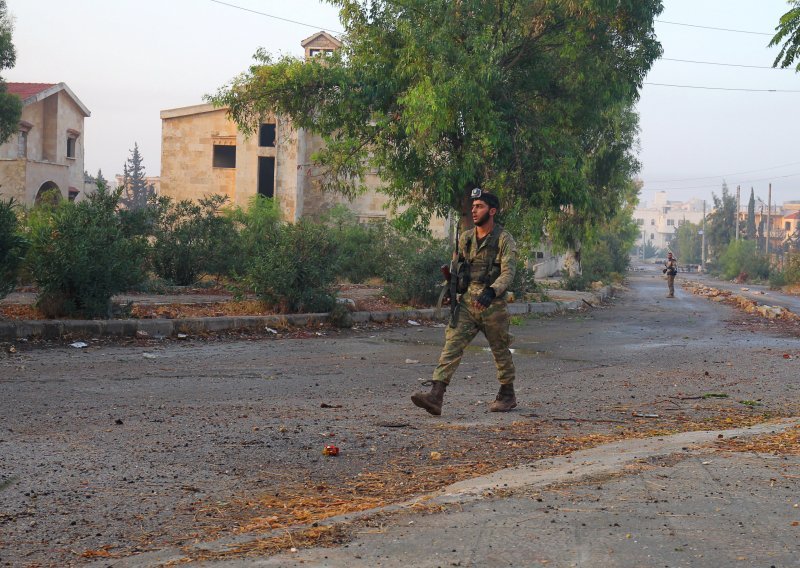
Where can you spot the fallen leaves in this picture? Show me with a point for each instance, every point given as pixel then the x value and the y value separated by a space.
pixel 780 444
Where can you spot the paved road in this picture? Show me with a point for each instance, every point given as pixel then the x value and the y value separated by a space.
pixel 135 450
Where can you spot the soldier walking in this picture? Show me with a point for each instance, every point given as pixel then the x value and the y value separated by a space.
pixel 488 254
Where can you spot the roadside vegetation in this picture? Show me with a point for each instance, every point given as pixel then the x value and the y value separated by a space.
pixel 741 257
pixel 79 255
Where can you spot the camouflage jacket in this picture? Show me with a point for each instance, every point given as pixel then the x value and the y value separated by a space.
pixel 505 262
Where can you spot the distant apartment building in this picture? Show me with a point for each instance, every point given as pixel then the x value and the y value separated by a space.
pixel 46 153
pixel 204 153
pixel 659 221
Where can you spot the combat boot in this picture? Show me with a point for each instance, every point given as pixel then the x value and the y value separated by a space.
pixel 431 401
pixel 505 400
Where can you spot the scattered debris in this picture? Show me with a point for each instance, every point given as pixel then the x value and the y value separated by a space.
pixel 388 424
pixel 411 361
pixel 715 395
pixel 326 405
pixel 272 331
pixel 436 456
pixel 412 322
pixel 79 345
pixel 644 415
pixel 149 355
pixel 182 336
pixel 330 450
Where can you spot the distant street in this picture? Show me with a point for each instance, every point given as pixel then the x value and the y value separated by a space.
pixel 117 450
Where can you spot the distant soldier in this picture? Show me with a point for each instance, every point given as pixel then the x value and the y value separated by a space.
pixel 487 257
pixel 670 269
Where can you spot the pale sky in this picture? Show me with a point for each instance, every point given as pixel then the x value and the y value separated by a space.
pixel 128 60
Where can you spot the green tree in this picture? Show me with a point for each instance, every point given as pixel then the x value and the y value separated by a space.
pixel 687 243
pixel 742 260
pixel 788 33
pixel 12 246
pixel 10 105
pixel 531 99
pixel 721 222
pixel 136 190
pixel 81 255
pixel 751 216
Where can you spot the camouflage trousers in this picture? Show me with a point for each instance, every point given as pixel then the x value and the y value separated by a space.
pixel 493 322
pixel 671 284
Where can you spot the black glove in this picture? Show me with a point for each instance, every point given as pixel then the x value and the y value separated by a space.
pixel 664 271
pixel 486 297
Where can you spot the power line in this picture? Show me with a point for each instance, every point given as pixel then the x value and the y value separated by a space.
pixel 726 175
pixel 713 28
pixel 275 17
pixel 727 64
pixel 743 182
pixel 723 88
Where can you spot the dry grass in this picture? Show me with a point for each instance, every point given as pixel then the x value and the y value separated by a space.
pixel 782 444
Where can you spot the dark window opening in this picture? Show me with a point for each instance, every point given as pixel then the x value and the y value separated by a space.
pixel 539 254
pixel 266 135
pixel 224 156
pixel 70 147
pixel 266 176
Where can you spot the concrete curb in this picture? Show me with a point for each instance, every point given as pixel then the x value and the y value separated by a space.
pixel 56 329
pixel 607 459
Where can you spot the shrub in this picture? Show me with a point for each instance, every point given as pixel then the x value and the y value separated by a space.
pixel 192 239
pixel 293 270
pixel 12 247
pixel 81 256
pixel 362 248
pixel 413 270
pixel 741 257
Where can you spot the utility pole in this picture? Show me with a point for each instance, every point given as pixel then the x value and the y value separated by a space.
pixel 738 208
pixel 769 215
pixel 703 242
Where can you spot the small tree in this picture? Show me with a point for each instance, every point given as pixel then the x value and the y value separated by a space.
pixel 741 260
pixel 721 223
pixel 136 190
pixel 10 105
pixel 12 247
pixel 687 244
pixel 81 256
pixel 751 216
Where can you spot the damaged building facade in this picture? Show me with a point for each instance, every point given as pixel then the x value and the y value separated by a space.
pixel 203 153
pixel 46 153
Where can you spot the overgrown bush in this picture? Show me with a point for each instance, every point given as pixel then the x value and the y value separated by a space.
pixel 81 256
pixel 294 269
pixel 579 282
pixel 742 257
pixel 362 248
pixel 191 239
pixel 524 282
pixel 790 273
pixel 412 269
pixel 12 247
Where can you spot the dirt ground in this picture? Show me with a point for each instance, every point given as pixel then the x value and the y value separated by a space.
pixel 125 447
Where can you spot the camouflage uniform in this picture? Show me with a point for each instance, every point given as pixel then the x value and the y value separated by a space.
pixel 671 269
pixel 492 321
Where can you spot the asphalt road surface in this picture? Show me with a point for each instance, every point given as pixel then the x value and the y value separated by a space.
pixel 118 450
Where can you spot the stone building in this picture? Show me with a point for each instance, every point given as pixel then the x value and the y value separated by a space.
pixel 47 151
pixel 202 153
pixel 659 221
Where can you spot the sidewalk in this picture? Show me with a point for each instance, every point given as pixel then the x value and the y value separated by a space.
pixel 675 501
pixel 156 328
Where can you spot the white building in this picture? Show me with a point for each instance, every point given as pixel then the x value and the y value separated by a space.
pixel 659 221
